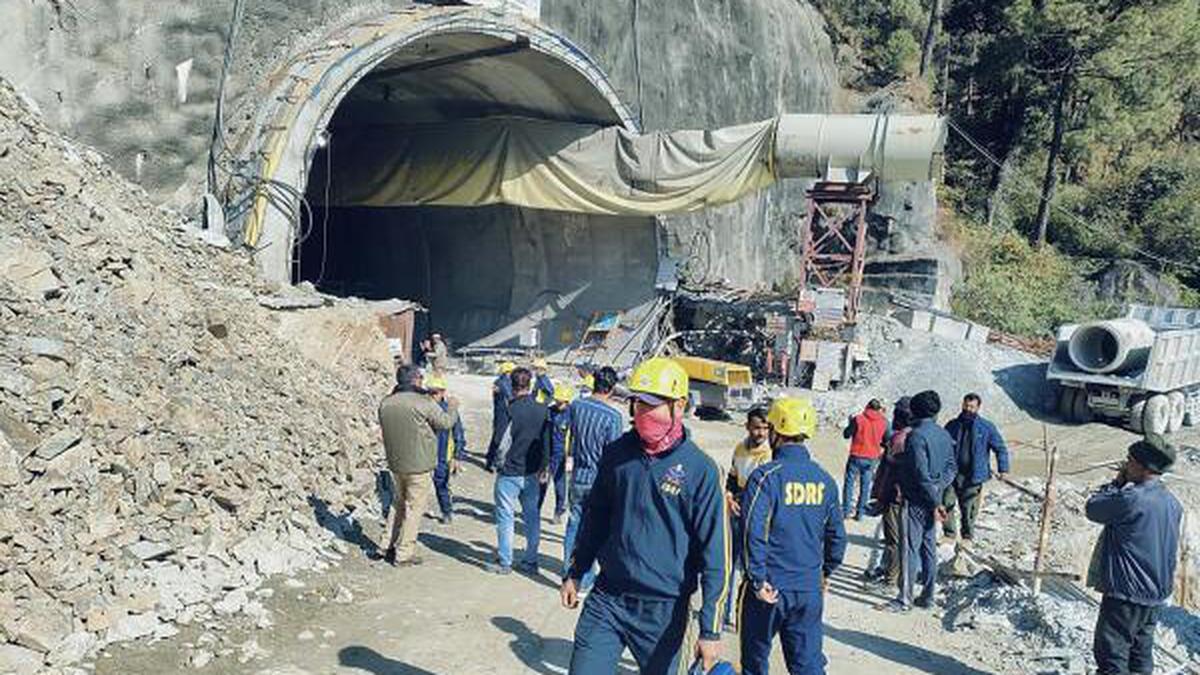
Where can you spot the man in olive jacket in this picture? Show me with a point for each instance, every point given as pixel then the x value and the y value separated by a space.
pixel 410 420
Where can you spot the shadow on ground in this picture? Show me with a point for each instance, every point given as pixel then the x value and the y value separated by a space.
pixel 1026 386
pixel 547 656
pixel 371 661
pixel 914 657
pixel 344 526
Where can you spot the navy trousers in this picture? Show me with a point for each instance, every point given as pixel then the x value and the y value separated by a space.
pixel 441 485
pixel 920 552
pixel 652 629
pixel 796 618
pixel 558 476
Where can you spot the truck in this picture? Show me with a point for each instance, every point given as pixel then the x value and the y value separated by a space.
pixel 1141 371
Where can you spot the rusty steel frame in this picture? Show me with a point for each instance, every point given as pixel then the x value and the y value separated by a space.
pixel 834 241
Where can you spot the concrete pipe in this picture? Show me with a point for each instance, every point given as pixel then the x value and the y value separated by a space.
pixel 1111 346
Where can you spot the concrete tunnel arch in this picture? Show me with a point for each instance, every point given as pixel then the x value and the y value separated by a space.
pixel 506 64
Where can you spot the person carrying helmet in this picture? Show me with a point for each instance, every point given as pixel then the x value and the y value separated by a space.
pixel 543 387
pixel 656 521
pixel 794 539
pixel 502 395
pixel 560 439
pixel 451 447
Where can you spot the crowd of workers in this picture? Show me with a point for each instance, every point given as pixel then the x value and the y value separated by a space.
pixel 651 518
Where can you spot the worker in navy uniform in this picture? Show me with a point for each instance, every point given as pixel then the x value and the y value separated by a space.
pixel 502 395
pixel 656 520
pixel 1133 565
pixel 560 441
pixel 794 539
pixel 452 446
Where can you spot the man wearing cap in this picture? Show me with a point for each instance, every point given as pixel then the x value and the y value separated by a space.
pixel 502 395
pixel 410 420
pixel 926 467
pixel 794 539
pixel 1133 565
pixel 656 521
pixel 451 446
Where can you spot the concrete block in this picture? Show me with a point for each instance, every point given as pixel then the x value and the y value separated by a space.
pixel 978 332
pixel 918 319
pixel 949 327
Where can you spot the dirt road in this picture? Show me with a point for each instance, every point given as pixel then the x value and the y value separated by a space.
pixel 449 616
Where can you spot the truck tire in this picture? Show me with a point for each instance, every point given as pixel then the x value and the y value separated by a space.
pixel 1135 416
pixel 1082 413
pixel 1157 416
pixel 1066 404
pixel 1178 409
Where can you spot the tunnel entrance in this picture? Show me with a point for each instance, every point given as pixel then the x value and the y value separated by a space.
pixel 489 275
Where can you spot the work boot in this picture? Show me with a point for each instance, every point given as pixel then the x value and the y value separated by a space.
pixel 525 567
pixel 923 602
pixel 446 518
pixel 894 607
pixel 410 562
pixel 389 556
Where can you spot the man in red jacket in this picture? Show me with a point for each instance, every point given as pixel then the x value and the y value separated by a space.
pixel 866 432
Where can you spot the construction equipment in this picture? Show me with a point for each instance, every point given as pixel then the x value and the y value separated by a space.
pixel 719 384
pixel 1142 370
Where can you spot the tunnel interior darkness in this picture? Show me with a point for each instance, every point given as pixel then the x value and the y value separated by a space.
pixel 486 274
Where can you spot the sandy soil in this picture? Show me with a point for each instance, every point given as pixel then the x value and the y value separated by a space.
pixel 450 616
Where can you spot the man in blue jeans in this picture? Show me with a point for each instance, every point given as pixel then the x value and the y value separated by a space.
pixel 594 423
pixel 520 471
pixel 866 431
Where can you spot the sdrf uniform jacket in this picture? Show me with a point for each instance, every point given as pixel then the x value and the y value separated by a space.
pixel 656 524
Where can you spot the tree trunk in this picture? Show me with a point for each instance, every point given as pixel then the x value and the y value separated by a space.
pixel 935 11
pixel 1050 181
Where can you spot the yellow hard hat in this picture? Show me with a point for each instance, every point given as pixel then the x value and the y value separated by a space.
pixel 435 383
pixel 564 393
pixel 589 381
pixel 540 364
pixel 507 367
pixel 659 377
pixel 793 417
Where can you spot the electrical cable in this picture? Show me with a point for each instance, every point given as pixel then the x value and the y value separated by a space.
pixel 217 138
pixel 1033 188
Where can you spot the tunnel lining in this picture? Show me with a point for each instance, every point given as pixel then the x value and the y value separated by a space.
pixel 311 87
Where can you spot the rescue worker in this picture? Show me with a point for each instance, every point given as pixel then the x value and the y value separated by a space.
pixel 794 540
pixel 750 453
pixel 976 440
pixel 586 379
pixel 594 423
pixel 560 439
pixel 657 522
pixel 927 467
pixel 452 446
pixel 439 354
pixel 520 472
pixel 866 432
pixel 886 499
pixel 501 396
pixel 1134 562
pixel 410 420
pixel 543 387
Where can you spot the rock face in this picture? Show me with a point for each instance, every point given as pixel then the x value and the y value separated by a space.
pixel 163 445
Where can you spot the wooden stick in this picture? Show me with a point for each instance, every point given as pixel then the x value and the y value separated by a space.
pixel 1021 488
pixel 1044 531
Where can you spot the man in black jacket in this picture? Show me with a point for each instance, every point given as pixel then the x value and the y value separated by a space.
pixel 1134 562
pixel 520 470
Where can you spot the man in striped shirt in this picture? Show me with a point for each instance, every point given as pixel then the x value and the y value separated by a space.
pixel 594 423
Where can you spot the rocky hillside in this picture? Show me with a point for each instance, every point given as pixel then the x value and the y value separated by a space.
pixel 164 438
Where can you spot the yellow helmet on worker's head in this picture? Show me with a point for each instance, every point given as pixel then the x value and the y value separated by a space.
pixel 564 393
pixel 793 417
pixel 589 381
pixel 659 378
pixel 540 364
pixel 435 383
pixel 507 367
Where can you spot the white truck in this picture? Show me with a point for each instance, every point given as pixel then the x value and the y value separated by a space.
pixel 1142 370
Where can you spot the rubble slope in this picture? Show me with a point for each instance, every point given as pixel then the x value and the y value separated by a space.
pixel 163 445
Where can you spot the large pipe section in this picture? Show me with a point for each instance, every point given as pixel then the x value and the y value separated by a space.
pixel 1113 346
pixel 854 148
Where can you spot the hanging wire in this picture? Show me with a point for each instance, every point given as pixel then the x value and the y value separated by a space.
pixel 1090 227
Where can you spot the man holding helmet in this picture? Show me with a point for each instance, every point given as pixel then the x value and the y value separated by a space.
pixel 794 539
pixel 655 519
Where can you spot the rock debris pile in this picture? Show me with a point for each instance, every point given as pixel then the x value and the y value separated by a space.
pixel 164 447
